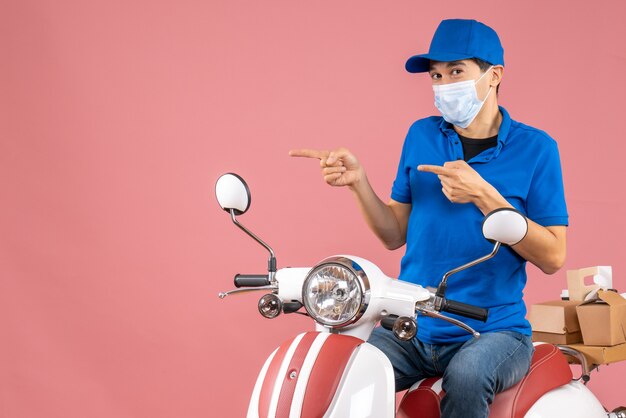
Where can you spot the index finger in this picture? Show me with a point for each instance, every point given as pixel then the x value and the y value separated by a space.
pixel 436 169
pixel 309 153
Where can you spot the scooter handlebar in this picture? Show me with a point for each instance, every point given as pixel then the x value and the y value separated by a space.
pixel 463 309
pixel 251 280
pixel 388 321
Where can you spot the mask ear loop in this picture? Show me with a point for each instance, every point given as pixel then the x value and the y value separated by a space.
pixel 484 74
pixel 490 87
pixel 488 93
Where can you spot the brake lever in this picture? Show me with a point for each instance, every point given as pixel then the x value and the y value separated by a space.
pixel 222 295
pixel 435 314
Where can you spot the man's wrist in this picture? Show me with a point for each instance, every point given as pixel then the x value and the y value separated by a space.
pixel 359 184
pixel 489 199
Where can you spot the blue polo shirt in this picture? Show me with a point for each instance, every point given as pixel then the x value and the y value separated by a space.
pixel 525 168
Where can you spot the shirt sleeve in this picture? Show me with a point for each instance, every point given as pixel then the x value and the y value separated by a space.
pixel 545 203
pixel 401 189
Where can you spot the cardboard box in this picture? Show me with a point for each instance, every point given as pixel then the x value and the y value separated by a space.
pixel 576 287
pixel 553 338
pixel 555 322
pixel 603 320
pixel 602 355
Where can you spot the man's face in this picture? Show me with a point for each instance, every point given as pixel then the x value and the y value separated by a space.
pixel 455 71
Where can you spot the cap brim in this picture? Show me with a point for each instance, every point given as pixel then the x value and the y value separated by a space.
pixel 421 63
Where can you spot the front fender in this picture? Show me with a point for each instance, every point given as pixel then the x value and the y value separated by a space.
pixel 321 374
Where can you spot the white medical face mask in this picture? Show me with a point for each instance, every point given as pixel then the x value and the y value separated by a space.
pixel 458 102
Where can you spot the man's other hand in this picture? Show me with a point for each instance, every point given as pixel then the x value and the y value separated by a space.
pixel 339 167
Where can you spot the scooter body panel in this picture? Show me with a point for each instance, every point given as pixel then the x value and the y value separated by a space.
pixel 253 407
pixel 296 381
pixel 573 400
pixel 367 387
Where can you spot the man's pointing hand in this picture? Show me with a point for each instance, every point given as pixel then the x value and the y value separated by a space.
pixel 460 182
pixel 339 167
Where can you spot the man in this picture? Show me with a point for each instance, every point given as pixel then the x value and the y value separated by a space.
pixel 454 170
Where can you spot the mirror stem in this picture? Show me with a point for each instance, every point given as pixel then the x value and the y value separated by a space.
pixel 271 262
pixel 441 289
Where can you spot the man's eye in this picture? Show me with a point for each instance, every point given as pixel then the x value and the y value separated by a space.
pixel 456 72
pixel 435 76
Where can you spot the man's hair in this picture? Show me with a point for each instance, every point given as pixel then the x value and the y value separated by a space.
pixel 484 66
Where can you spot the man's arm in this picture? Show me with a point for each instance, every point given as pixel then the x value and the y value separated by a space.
pixel 388 221
pixel 341 168
pixel 545 247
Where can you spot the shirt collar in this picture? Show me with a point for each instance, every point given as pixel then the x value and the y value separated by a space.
pixel 503 132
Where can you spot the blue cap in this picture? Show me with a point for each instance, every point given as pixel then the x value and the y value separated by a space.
pixel 459 39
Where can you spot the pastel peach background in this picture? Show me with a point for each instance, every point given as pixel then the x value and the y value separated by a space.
pixel 117 117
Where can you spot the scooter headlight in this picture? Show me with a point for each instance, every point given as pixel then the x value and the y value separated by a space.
pixel 336 292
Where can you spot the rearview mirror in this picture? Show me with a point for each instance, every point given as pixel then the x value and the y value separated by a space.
pixel 232 192
pixel 233 195
pixel 505 225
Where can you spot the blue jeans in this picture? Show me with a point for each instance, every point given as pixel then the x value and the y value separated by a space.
pixel 473 371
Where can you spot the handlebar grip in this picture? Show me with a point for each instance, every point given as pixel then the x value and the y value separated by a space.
pixel 388 321
pixel 463 309
pixel 251 280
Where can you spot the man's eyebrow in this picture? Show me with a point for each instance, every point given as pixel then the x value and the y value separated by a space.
pixel 454 63
pixel 450 64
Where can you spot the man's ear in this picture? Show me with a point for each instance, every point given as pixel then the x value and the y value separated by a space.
pixel 496 75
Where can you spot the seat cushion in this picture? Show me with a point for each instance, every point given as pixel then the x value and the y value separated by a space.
pixel 548 370
pixel 422 399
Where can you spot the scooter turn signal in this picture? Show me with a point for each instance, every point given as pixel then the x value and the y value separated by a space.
pixel 270 306
pixel 405 328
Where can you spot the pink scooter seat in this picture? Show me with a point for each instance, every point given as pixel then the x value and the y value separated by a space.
pixel 548 370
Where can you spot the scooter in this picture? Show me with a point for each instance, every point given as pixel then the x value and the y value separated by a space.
pixel 334 373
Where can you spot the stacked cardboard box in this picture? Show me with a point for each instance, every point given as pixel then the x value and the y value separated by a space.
pixel 596 327
pixel 601 355
pixel 603 319
pixel 555 322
